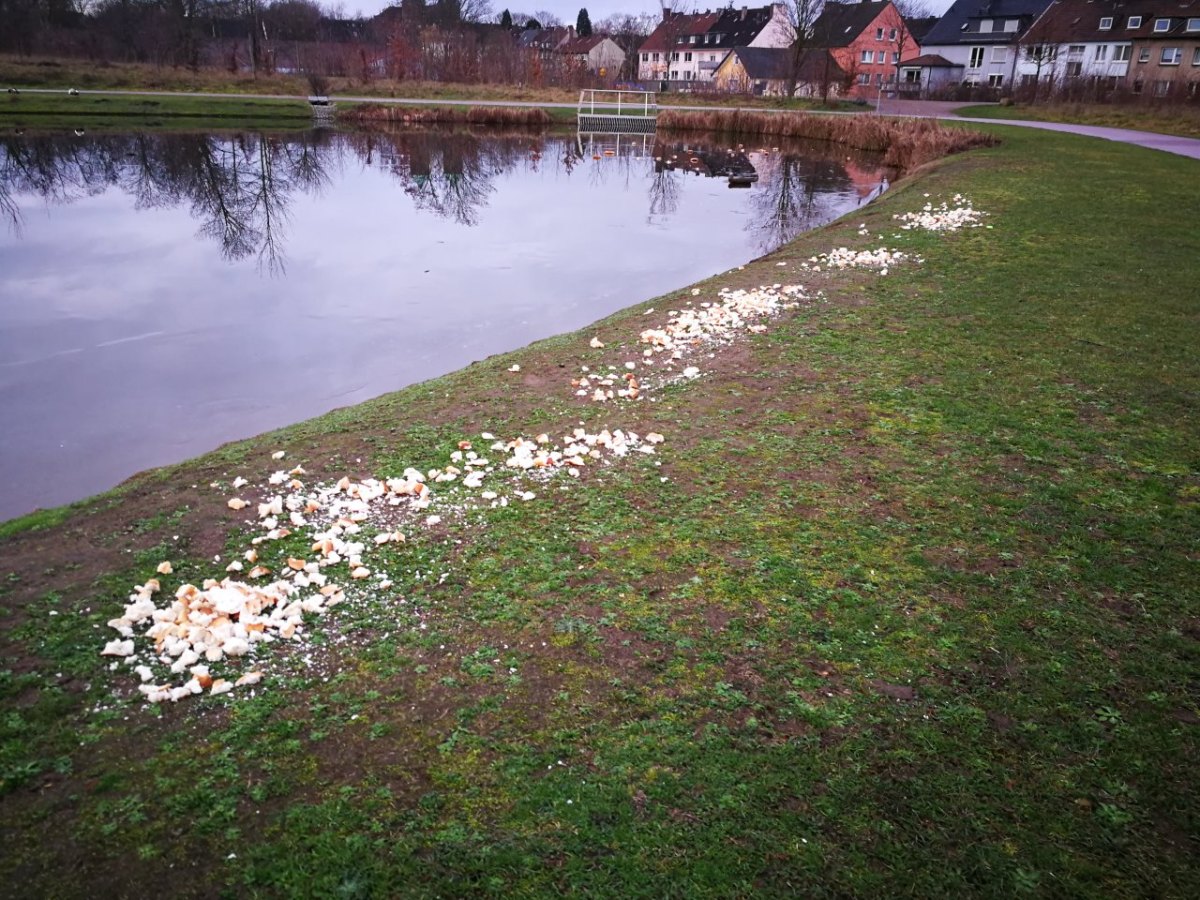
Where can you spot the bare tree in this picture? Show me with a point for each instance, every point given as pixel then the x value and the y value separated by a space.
pixel 802 18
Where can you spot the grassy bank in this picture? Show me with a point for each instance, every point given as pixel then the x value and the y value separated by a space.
pixel 370 114
pixel 905 603
pixel 1178 120
pixel 37 110
pixel 905 144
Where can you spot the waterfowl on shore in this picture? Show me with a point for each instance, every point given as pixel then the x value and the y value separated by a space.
pixel 72 92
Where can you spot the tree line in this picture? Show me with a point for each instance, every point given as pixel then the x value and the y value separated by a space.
pixel 451 40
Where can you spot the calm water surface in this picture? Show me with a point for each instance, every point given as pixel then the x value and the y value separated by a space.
pixel 163 294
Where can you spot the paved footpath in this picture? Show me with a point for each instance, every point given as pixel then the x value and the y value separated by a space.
pixel 929 109
pixel 940 109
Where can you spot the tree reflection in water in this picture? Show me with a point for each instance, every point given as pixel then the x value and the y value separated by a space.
pixel 240 187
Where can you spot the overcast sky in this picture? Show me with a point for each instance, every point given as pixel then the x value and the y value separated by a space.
pixel 568 10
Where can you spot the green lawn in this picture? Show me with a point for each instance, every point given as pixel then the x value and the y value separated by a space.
pixel 1179 120
pixel 37 110
pixel 913 613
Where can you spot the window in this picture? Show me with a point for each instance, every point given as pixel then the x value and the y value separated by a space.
pixel 892 34
pixel 995 81
pixel 1144 55
pixel 1121 53
pixel 895 58
pixel 646 57
pixel 674 57
pixel 999 54
pixel 867 56
pixel 1011 24
pixel 674 75
pixel 864 78
pixel 1171 56
pixel 1137 85
pixel 1161 88
pixel 1106 23
pixel 880 56
pixel 656 57
pixel 879 78
pixel 976 58
pixel 692 39
pixel 1101 52
pixel 879 34
pixel 712 57
pixel 1075 50
pixel 1134 22
pixel 1162 26
pixel 687 57
pixel 985 26
pixel 1074 69
pixel 1193 25
pixel 1196 57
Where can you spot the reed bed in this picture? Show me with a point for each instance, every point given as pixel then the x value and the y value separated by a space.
pixel 376 114
pixel 904 143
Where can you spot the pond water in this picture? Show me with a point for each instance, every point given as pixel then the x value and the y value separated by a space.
pixel 161 294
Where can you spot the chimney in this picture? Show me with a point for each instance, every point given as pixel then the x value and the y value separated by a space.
pixel 666 9
pixel 743 14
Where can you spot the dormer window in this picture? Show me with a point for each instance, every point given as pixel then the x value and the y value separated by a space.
pixel 1161 26
pixel 1134 22
pixel 985 26
pixel 1011 24
pixel 1193 25
pixel 1106 23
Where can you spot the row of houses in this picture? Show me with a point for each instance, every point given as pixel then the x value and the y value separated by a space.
pixel 862 49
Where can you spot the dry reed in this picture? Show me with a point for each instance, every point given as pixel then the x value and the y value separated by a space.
pixel 904 143
pixel 375 114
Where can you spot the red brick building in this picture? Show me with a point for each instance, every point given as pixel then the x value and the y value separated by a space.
pixel 868 40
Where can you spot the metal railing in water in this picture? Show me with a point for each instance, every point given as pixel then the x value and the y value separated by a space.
pixel 635 109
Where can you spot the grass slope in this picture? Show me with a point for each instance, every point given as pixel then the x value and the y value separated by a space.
pixel 914 613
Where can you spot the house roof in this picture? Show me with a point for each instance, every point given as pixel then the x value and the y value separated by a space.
pixel 774 63
pixel 961 23
pixel 840 24
pixel 735 28
pixel 583 45
pixel 931 61
pixel 675 25
pixel 918 28
pixel 1078 21
pixel 543 38
pixel 738 27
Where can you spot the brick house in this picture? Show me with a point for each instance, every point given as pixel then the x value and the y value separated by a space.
pixel 868 40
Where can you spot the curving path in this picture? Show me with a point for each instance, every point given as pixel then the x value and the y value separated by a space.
pixel 928 109
pixel 937 109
